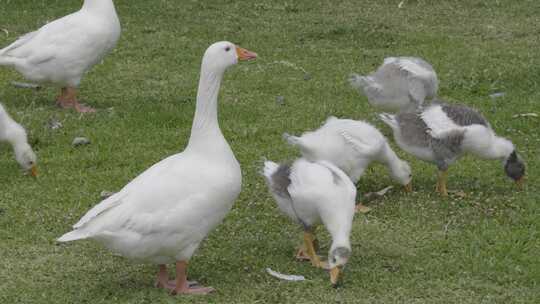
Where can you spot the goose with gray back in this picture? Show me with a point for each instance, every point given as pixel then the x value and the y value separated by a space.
pixel 164 214
pixel 441 133
pixel 311 193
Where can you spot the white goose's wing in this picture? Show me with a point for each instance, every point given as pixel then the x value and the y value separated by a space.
pixel 321 190
pixel 19 42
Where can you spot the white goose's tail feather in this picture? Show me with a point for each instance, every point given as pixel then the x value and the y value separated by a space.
pixel 358 82
pixel 390 120
pixel 73 236
pixel 269 169
pixel 291 139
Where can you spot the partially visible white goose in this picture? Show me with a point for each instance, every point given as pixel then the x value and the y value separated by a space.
pixel 352 145
pixel 60 52
pixel 163 214
pixel 15 134
pixel 442 133
pixel 311 193
pixel 399 84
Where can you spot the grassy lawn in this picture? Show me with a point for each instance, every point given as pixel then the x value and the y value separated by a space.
pixel 417 248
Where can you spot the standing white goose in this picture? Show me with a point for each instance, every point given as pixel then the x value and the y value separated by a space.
pixel 60 52
pixel 163 214
pixel 15 134
pixel 311 193
pixel 399 84
pixel 441 133
pixel 351 145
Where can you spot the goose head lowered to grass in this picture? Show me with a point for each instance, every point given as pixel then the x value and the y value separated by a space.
pixel 163 214
pixel 441 133
pixel 15 134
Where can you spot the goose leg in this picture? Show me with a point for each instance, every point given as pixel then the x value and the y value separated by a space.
pixel 309 240
pixel 182 284
pixel 163 281
pixel 361 208
pixel 441 182
pixel 68 99
pixel 301 253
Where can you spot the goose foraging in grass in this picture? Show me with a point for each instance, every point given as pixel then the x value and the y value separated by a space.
pixel 15 134
pixel 311 193
pixel 352 145
pixel 60 52
pixel 399 84
pixel 163 214
pixel 441 133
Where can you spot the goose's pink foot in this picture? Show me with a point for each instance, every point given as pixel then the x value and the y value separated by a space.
pixel 182 284
pixel 68 100
pixel 163 281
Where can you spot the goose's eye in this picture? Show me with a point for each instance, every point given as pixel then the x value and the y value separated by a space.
pixel 227 48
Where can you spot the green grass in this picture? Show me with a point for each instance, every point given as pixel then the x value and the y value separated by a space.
pixel 414 248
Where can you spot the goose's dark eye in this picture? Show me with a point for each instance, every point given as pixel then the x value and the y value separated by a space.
pixel 227 48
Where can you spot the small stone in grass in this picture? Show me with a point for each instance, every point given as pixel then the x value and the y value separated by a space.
pixel 54 124
pixel 497 95
pixel 80 141
pixel 307 76
pixel 280 100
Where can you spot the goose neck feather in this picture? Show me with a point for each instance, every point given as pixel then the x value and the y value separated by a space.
pixel 205 130
pixel 99 6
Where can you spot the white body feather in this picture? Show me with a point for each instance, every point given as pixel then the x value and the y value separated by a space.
pixel 352 146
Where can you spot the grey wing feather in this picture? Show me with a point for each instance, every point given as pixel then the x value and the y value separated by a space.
pixel 464 116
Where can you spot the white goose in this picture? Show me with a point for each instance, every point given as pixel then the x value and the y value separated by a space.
pixel 311 193
pixel 15 134
pixel 163 214
pixel 60 52
pixel 441 133
pixel 352 145
pixel 399 84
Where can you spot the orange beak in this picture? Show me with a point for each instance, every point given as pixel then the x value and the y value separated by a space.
pixel 244 54
pixel 520 182
pixel 33 171
pixel 408 187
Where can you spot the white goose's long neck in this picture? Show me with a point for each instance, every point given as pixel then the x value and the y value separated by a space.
pixel 390 159
pixel 205 123
pixel 104 7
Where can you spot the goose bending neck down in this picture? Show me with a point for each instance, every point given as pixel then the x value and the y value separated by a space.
pixel 166 212
pixel 15 134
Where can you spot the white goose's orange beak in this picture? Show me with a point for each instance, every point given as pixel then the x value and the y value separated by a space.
pixel 408 187
pixel 334 276
pixel 33 171
pixel 244 54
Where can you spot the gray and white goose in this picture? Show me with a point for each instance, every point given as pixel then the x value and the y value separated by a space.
pixel 441 133
pixel 311 193
pixel 399 84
